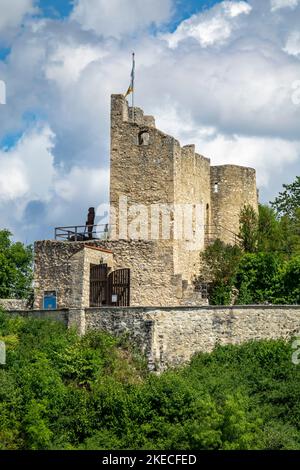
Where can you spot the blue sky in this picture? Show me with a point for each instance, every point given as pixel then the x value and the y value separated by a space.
pixel 56 8
pixel 222 75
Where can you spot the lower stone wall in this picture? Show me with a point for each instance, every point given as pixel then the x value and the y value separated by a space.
pixel 170 336
pixel 14 304
pixel 55 315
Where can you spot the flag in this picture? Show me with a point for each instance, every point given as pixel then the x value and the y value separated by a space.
pixel 131 86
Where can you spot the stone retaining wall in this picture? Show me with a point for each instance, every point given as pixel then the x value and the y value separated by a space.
pixel 170 336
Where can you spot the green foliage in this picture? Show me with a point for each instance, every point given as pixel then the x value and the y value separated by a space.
pixel 60 391
pixel 268 269
pixel 270 234
pixel 249 229
pixel 288 201
pixel 290 234
pixel 286 289
pixel 221 293
pixel 15 268
pixel 219 263
pixel 255 277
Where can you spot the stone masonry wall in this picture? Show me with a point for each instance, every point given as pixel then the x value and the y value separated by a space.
pixel 176 334
pixel 158 171
pixel 151 268
pixel 64 267
pixel 14 304
pixel 192 187
pixel 236 188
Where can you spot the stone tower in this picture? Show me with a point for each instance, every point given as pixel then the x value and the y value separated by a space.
pixel 151 168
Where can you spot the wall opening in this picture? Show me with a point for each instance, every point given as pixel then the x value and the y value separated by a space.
pixel 144 138
pixel 216 188
pixel 109 289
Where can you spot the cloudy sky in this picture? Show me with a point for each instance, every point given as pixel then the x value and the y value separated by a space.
pixel 224 75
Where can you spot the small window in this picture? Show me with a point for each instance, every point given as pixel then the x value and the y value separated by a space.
pixel 50 301
pixel 144 138
pixel 216 188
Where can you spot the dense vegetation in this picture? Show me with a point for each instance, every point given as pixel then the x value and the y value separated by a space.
pixel 15 268
pixel 59 391
pixel 265 266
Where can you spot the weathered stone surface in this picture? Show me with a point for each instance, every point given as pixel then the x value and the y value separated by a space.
pixel 177 333
pixel 61 315
pixel 14 304
pixel 236 188
pixel 64 267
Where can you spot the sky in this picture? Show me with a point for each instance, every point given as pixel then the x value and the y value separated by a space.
pixel 224 75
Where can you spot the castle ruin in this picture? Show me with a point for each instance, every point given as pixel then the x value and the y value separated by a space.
pixel 167 203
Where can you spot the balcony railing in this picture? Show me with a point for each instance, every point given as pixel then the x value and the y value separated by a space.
pixel 76 233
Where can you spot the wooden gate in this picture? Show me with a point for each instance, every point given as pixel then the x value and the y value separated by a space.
pixel 119 288
pixel 109 289
pixel 98 285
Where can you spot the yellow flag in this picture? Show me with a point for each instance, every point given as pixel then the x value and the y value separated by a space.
pixel 131 86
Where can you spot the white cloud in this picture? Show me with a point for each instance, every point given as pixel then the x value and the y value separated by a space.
pixel 81 180
pixel 26 170
pixel 67 62
pixel 292 46
pixel 12 12
pixel 210 27
pixel 256 152
pixel 278 4
pixel 117 17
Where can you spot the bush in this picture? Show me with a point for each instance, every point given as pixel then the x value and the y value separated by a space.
pixel 60 391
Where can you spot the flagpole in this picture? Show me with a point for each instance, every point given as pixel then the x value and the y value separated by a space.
pixel 133 86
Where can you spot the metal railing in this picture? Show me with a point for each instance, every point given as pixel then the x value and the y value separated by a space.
pixel 76 233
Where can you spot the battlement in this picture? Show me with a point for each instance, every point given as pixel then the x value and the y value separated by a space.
pixel 122 112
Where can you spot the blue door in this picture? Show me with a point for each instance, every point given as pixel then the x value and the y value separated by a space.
pixel 50 302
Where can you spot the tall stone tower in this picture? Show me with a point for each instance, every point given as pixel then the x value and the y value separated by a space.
pixel 149 168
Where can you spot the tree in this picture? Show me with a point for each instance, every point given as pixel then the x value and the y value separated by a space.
pixel 256 276
pixel 219 263
pixel 287 288
pixel 249 229
pixel 270 233
pixel 15 268
pixel 290 233
pixel 288 200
